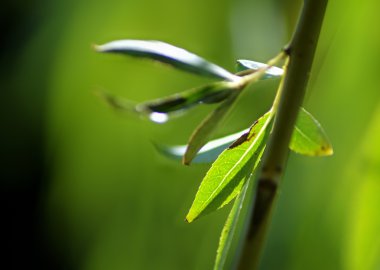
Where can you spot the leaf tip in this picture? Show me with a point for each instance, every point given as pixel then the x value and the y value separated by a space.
pixel 107 98
pixel 327 150
pixel 189 154
pixel 186 161
pixel 188 219
pixel 96 47
pixel 191 215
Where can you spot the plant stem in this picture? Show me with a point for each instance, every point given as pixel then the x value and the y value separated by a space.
pixel 301 52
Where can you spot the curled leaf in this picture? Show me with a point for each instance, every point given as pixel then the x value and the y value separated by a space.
pixel 246 65
pixel 226 176
pixel 160 110
pixel 208 94
pixel 208 153
pixel 168 54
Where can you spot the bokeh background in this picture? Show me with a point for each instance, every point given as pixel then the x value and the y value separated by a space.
pixel 82 187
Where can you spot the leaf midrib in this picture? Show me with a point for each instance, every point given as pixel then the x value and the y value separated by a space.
pixel 304 135
pixel 242 157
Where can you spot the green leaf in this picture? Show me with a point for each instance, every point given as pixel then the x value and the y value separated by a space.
pixel 157 110
pixel 116 102
pixel 208 94
pixel 168 54
pixel 226 176
pixel 230 229
pixel 246 65
pixel 208 153
pixel 308 137
pixel 202 133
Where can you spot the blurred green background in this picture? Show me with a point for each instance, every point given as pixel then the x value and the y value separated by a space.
pixel 83 187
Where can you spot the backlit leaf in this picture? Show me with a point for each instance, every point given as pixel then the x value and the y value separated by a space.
pixel 226 176
pixel 230 230
pixel 245 65
pixel 308 137
pixel 167 54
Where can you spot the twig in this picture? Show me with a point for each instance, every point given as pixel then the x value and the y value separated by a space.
pixel 301 52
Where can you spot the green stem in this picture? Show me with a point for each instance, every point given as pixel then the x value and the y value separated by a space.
pixel 280 88
pixel 301 52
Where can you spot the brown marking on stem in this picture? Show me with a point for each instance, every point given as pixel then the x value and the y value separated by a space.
pixel 287 50
pixel 266 191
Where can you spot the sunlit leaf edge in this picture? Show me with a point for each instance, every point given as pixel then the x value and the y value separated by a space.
pixel 206 199
pixel 168 54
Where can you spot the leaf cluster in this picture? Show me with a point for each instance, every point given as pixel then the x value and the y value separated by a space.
pixel 235 157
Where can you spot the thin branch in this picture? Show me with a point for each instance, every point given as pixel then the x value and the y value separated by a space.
pixel 301 52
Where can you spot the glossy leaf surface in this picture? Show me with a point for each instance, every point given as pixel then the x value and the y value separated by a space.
pixel 168 54
pixel 208 153
pixel 273 72
pixel 159 109
pixel 208 94
pixel 225 178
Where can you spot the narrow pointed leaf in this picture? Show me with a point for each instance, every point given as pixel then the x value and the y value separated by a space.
pixel 158 110
pixel 208 94
pixel 168 54
pixel 116 102
pixel 208 153
pixel 308 137
pixel 227 234
pixel 273 72
pixel 203 132
pixel 226 176
pixel 231 228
